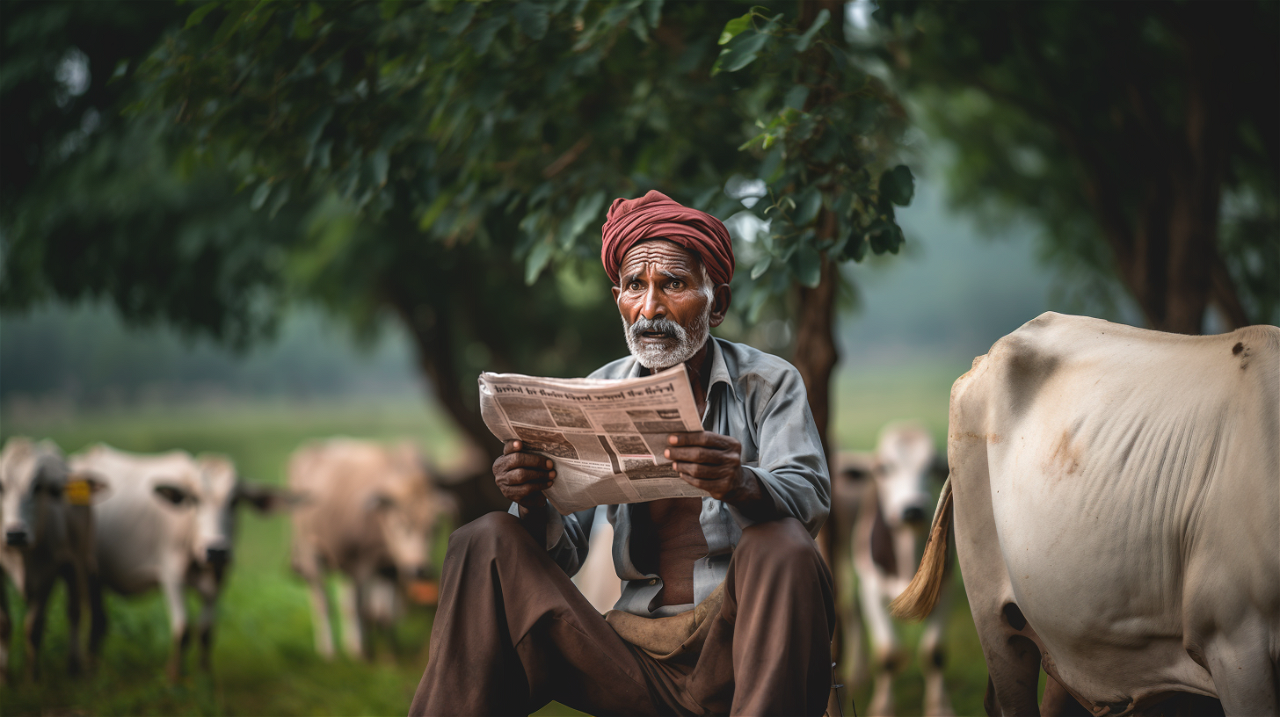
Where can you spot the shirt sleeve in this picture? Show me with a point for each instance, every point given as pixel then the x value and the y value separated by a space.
pixel 792 469
pixel 568 536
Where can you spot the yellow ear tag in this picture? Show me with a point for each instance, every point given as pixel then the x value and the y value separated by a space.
pixel 78 492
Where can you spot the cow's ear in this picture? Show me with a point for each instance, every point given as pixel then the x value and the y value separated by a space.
pixel 265 498
pixel 379 502
pixel 174 495
pixel 84 488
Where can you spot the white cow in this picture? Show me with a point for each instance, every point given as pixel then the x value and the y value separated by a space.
pixel 597 578
pixel 369 512
pixel 1116 499
pixel 879 507
pixel 47 525
pixel 168 522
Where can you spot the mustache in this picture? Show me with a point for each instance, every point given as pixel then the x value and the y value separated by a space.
pixel 661 325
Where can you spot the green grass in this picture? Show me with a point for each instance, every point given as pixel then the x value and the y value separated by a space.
pixel 264 660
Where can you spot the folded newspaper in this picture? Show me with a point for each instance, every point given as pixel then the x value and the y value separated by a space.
pixel 605 436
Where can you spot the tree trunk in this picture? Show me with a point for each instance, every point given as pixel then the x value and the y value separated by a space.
pixel 816 356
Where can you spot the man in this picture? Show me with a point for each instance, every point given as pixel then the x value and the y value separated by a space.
pixel 726 605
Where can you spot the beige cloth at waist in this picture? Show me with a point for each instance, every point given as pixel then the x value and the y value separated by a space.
pixel 669 638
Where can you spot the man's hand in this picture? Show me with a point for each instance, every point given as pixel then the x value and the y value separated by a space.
pixel 713 463
pixel 523 476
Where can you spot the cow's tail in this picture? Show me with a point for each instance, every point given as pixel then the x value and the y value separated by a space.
pixel 921 595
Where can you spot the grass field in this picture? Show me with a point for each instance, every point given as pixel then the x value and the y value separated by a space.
pixel 264 662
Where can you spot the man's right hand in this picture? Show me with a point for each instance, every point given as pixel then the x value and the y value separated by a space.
pixel 523 476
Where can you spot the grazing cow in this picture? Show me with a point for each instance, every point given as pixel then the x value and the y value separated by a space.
pixel 48 534
pixel 369 512
pixel 169 522
pixel 879 509
pixel 1114 492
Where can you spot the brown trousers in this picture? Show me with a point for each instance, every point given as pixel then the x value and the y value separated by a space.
pixel 512 632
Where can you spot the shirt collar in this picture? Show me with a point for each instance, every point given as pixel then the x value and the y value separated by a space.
pixel 719 369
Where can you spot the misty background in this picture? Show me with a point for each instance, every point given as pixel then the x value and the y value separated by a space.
pixel 954 290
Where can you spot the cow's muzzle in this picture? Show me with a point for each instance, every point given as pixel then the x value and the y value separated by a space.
pixel 16 538
pixel 218 555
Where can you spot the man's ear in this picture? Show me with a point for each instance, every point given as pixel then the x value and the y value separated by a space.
pixel 174 495
pixel 722 297
pixel 617 291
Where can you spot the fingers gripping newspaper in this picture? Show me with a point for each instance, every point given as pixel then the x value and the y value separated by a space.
pixel 606 437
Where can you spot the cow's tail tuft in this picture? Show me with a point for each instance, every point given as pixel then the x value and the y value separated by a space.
pixel 921 595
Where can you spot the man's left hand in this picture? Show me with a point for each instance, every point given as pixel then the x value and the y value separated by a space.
pixel 713 463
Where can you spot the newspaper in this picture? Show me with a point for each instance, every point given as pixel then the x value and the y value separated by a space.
pixel 606 437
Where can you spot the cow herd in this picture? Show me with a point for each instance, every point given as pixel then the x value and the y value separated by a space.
pixel 107 521
pixel 1112 496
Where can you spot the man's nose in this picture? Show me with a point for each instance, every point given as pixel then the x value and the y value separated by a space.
pixel 651 307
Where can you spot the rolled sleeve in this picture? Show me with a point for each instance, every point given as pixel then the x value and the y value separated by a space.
pixel 792 467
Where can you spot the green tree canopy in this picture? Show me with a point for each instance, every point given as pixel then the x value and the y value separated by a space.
pixel 431 160
pixel 1145 138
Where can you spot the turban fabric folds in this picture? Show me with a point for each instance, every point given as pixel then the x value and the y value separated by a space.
pixel 657 216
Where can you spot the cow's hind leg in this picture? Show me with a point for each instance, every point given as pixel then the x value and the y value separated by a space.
pixel 1013 663
pixel 1242 671
pixel 933 658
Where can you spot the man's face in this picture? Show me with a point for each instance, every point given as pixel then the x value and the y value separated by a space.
pixel 667 303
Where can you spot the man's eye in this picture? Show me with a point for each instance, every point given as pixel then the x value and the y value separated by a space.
pixel 677 284
pixel 634 286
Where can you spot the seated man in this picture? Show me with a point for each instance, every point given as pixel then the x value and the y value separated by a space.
pixel 512 632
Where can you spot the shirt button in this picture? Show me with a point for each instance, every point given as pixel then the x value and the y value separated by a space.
pixel 654 581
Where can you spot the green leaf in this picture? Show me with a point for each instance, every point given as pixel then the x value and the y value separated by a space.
pixel 796 97
pixel 802 42
pixel 482 35
pixel 587 209
pixel 533 19
pixel 653 12
pixel 897 185
pixel 807 264
pixel 734 27
pixel 260 196
pixel 379 163
pixel 434 210
pixel 282 196
pixel 198 15
pixel 761 267
pixel 808 205
pixel 459 18
pixel 742 51
pixel 538 259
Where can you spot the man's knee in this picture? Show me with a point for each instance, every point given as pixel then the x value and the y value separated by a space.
pixel 493 534
pixel 784 541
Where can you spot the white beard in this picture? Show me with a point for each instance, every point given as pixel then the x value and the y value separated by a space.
pixel 681 347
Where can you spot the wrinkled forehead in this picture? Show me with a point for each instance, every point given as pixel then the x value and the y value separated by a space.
pixel 662 255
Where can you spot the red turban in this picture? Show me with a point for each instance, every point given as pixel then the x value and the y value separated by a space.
pixel 657 216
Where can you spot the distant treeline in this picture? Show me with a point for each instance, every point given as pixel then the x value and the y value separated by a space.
pixel 85 356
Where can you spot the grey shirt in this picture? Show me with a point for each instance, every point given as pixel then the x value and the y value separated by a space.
pixel 760 400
